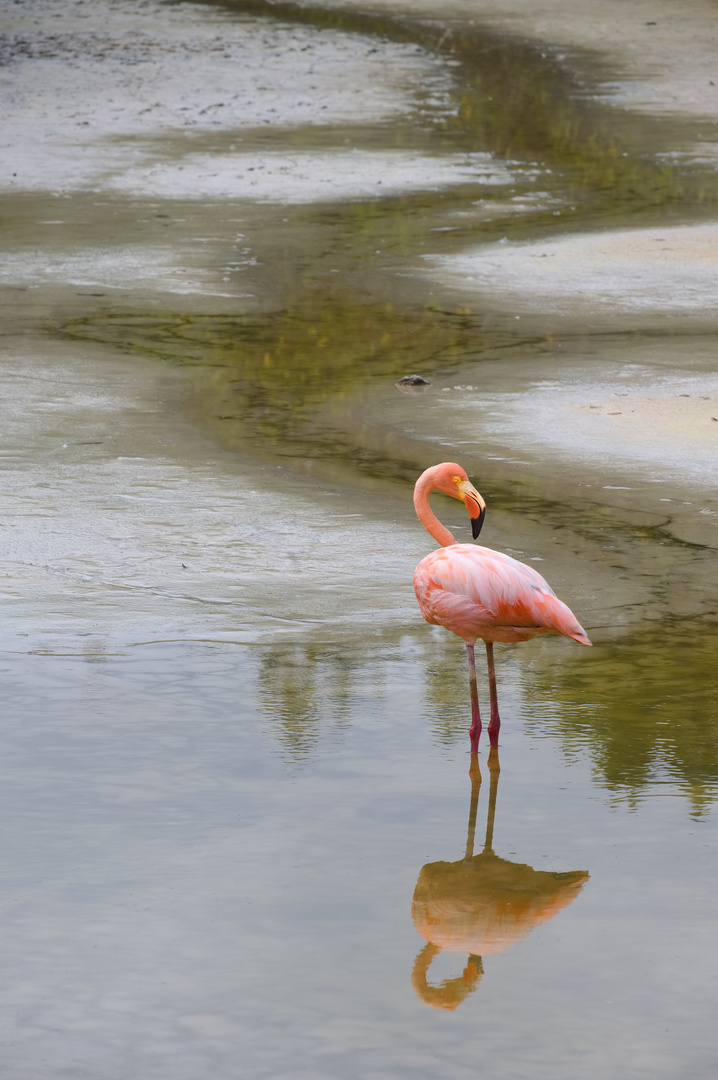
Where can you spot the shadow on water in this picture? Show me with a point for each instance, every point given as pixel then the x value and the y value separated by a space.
pixel 646 707
pixel 482 904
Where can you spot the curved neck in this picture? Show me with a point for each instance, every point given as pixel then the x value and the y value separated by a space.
pixel 426 515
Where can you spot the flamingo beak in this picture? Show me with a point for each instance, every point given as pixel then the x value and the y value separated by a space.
pixel 474 504
pixel 477 522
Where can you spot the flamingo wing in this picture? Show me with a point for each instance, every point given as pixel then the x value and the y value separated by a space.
pixel 477 592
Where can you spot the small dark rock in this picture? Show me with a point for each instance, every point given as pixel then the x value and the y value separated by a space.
pixel 412 380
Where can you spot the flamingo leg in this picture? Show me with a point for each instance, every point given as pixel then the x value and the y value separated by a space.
pixel 475 729
pixel 495 722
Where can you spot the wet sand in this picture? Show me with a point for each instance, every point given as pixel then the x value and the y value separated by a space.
pixel 150 190
pixel 655 59
pixel 660 273
pixel 101 105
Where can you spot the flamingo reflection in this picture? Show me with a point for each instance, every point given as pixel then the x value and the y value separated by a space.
pixel 482 904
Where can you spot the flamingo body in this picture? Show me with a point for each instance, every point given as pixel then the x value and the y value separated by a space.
pixel 479 593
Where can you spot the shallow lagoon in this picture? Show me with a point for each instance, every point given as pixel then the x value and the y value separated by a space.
pixel 231 746
pixel 214 850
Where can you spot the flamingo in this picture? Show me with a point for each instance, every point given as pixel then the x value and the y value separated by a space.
pixel 479 593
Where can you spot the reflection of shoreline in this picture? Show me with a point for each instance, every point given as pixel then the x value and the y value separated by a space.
pixel 656 694
pixel 481 904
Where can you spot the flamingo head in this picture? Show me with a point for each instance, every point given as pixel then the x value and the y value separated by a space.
pixel 452 480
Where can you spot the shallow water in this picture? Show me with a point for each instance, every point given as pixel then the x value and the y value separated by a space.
pixel 214 853
pixel 236 777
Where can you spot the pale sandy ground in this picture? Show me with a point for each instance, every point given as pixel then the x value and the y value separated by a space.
pixel 84 97
pixel 663 271
pixel 287 178
pixel 662 59
pixel 662 56
pixel 661 283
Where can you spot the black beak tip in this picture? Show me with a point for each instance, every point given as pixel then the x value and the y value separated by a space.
pixel 476 523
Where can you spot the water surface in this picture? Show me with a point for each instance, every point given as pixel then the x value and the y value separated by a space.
pixel 236 775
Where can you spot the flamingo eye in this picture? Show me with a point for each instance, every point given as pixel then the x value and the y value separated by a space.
pixel 457 479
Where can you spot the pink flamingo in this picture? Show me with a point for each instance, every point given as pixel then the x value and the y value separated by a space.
pixel 479 593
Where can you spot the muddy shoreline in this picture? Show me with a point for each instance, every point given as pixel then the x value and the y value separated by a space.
pixel 152 192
